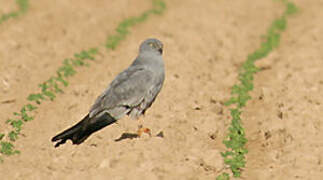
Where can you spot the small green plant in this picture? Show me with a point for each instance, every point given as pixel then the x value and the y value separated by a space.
pixel 123 28
pixel 235 141
pixel 7 148
pixel 23 6
pixel 223 176
pixel 1 136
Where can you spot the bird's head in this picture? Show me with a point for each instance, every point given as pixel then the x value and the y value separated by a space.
pixel 152 45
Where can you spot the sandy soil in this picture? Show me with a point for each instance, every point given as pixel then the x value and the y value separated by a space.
pixel 204 46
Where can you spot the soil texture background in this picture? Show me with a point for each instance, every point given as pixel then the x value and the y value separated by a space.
pixel 205 44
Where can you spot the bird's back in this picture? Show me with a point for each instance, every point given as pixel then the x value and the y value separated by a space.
pixel 133 90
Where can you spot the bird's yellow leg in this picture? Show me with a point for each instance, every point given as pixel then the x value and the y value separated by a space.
pixel 142 129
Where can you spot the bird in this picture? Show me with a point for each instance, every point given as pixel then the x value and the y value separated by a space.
pixel 131 93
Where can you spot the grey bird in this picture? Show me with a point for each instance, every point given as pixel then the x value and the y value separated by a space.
pixel 131 93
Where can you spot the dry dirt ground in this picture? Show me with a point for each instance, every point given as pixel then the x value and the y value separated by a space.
pixel 205 43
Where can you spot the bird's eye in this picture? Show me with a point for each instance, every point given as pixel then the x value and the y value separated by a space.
pixel 151 45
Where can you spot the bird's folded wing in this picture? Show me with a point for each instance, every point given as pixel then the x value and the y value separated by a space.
pixel 127 89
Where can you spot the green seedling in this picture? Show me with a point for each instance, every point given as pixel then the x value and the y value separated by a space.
pixel 223 176
pixel 23 6
pixel 13 135
pixel 7 148
pixel 1 136
pixel 235 141
pixel 36 97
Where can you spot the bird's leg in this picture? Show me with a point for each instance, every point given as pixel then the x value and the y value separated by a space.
pixel 142 129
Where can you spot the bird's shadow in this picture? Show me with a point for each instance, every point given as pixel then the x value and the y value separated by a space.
pixel 134 135
pixel 127 136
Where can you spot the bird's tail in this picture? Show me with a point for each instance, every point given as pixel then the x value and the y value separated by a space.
pixel 83 129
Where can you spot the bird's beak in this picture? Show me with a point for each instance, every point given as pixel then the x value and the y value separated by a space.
pixel 160 48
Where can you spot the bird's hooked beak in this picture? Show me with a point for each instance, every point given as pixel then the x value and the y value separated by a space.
pixel 160 48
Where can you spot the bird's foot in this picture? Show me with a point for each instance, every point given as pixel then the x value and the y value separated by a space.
pixel 142 129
